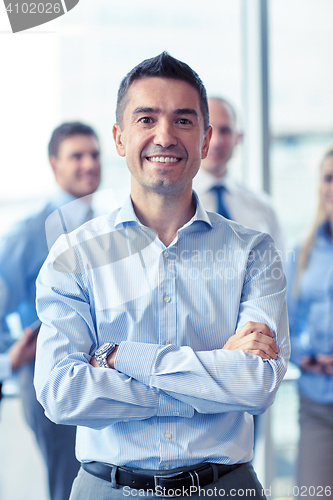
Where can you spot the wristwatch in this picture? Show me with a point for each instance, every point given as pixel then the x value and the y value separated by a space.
pixel 102 353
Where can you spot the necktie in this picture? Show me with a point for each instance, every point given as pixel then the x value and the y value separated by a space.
pixel 219 193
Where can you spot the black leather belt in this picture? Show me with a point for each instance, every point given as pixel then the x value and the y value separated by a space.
pixel 198 476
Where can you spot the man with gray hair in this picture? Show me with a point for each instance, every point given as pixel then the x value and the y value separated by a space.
pixel 216 188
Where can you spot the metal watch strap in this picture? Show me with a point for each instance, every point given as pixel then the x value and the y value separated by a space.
pixel 103 352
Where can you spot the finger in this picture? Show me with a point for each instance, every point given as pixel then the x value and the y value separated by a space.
pixel 325 358
pixel 263 339
pixel 264 329
pixel 251 327
pixel 252 340
pixel 93 362
pixel 263 348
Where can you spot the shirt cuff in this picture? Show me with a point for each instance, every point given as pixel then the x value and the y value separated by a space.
pixel 136 360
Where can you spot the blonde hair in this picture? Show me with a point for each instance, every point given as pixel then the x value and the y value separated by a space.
pixel 310 239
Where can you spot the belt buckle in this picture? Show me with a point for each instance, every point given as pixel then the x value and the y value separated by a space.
pixel 165 476
pixel 170 476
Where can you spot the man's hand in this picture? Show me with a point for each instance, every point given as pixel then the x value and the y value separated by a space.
pixel 93 361
pixel 325 361
pixel 24 349
pixel 310 364
pixel 255 338
pixel 110 359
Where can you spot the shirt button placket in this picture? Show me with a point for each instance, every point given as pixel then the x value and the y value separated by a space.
pixel 167 290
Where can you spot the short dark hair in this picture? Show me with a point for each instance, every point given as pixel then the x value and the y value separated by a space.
pixel 163 66
pixel 66 130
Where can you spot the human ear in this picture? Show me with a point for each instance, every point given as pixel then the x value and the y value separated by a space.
pixel 206 141
pixel 117 136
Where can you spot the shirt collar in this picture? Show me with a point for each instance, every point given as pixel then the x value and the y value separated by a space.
pixel 206 181
pixel 61 198
pixel 126 214
pixel 79 210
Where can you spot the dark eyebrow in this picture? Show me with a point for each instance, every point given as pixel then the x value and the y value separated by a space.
pixel 187 111
pixel 145 110
pixel 180 111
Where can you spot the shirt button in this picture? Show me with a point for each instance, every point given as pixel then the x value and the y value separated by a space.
pixel 167 342
pixel 167 298
pixel 167 435
pixel 166 254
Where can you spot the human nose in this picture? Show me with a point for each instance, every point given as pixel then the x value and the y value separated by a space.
pixel 164 134
pixel 90 161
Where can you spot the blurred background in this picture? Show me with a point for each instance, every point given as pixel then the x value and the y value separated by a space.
pixel 70 69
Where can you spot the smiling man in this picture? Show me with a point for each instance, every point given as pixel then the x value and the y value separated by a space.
pixel 171 329
pixel 74 157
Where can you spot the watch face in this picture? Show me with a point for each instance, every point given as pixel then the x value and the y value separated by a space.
pixel 104 348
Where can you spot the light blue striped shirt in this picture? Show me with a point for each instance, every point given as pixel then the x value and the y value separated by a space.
pixel 176 398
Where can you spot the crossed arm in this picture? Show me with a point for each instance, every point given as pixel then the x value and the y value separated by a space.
pixel 254 338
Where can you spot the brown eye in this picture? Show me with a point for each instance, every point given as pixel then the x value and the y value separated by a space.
pixel 183 121
pixel 146 119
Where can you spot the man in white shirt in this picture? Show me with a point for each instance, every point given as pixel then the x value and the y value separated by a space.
pixel 239 204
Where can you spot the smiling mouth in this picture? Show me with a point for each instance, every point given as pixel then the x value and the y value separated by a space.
pixel 163 159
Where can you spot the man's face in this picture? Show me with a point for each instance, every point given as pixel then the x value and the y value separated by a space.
pixel 162 134
pixel 77 167
pixel 224 138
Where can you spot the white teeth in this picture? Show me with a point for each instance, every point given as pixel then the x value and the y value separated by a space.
pixel 163 159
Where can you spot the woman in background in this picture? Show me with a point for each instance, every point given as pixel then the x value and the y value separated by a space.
pixel 310 305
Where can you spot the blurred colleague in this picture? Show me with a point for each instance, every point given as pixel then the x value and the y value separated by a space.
pixel 216 189
pixel 310 300
pixel 74 155
pixel 144 297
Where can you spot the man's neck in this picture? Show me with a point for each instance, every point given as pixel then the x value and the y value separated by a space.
pixel 164 213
